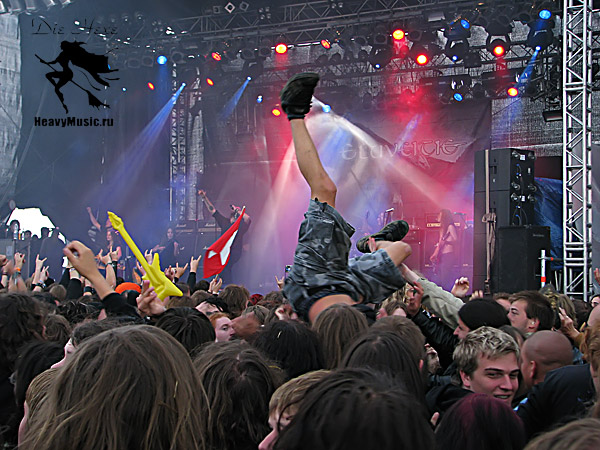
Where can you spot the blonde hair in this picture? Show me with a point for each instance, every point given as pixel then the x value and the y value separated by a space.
pixel 289 394
pixel 483 342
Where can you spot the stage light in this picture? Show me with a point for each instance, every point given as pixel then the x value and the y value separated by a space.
pixel 281 49
pixel 498 46
pixel 499 50
pixel 545 14
pixel 249 78
pixel 124 89
pixel 210 82
pixel 150 86
pixel 275 112
pixel 326 108
pixel 162 60
pixel 216 56
pixel 456 50
pixel 422 59
pixel 465 24
pixel 325 43
pixel 512 91
pixel 377 66
pixel 538 48
pixel 259 99
pixel 458 97
pixel 398 34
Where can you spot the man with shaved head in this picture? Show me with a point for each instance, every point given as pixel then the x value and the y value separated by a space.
pixel 542 352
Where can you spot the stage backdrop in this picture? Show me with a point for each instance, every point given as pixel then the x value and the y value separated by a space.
pixel 415 161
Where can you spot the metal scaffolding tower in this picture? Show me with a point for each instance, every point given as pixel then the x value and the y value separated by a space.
pixel 577 148
pixel 178 157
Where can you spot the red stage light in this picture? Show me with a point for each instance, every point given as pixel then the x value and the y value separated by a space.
pixel 275 112
pixel 398 34
pixel 210 82
pixel 512 91
pixel 422 59
pixel 281 48
pixel 326 44
pixel 150 86
pixel 216 56
pixel 499 50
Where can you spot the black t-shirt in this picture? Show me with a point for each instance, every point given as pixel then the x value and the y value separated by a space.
pixel 238 243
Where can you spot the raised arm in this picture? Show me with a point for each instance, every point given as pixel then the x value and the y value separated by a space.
pixel 93 219
pixel 211 208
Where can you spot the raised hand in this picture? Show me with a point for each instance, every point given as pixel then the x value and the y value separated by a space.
pixel 104 259
pixel 82 259
pixel 148 302
pixel 39 263
pixel 19 259
pixel 148 256
pixel 194 264
pixel 215 285
pixel 461 287
pixel 280 282
pixel 179 271
pixel 170 273
pixel 3 260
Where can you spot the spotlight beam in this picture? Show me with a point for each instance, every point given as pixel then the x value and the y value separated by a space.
pixel 233 101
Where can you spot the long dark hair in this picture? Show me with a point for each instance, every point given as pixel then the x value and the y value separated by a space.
pixel 446 219
pixel 128 388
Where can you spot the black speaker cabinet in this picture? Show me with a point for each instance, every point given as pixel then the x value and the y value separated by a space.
pixel 517 264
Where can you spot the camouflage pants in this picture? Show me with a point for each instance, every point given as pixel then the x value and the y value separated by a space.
pixel 321 266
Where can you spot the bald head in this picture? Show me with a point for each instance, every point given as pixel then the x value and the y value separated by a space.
pixel 542 352
pixel 594 317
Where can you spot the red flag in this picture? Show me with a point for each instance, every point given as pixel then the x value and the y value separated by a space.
pixel 217 255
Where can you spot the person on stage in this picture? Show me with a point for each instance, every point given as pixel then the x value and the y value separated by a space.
pixel 445 257
pixel 168 249
pixel 229 273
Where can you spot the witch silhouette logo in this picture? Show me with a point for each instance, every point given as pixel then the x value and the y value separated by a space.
pixel 94 65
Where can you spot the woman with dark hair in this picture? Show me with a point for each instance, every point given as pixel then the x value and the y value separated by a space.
pixel 239 382
pixel 21 321
pixel 168 249
pixel 337 327
pixel 291 344
pixel 130 388
pixel 445 257
pixel 386 352
pixel 480 421
pixel 357 409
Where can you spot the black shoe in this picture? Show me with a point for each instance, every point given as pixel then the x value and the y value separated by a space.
pixel 393 231
pixel 297 94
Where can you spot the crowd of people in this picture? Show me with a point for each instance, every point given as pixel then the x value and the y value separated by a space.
pixel 347 354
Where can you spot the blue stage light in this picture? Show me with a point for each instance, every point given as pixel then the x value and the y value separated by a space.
pixel 465 24
pixel 259 99
pixel 248 78
pixel 545 14
pixel 458 97
pixel 162 59
pixel 326 108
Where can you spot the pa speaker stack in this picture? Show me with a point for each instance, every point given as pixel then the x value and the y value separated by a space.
pixel 510 190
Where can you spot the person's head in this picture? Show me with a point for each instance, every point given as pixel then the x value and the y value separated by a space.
pixel 34 358
pixel 595 300
pixel 502 298
pixel 185 290
pixel 44 232
pixel 337 327
pixel 35 396
pixel 487 361
pixel 181 301
pixel 530 311
pixel 357 409
pixel 223 326
pixel 58 329
pixel 478 313
pixel 131 387
pixel 477 422
pixel 582 434
pixel 21 321
pixel 591 352
pixel 392 306
pixel 542 352
pixel 235 297
pixel 76 311
pixel 239 382
pixel 199 296
pixel 110 235
pixel 190 327
pixel 201 285
pixel 387 352
pixel 82 333
pixel 446 218
pixel 292 345
pixel 260 313
pixel 59 292
pixel 272 300
pixel 27 234
pixel 407 330
pixel 170 233
pixel 284 403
